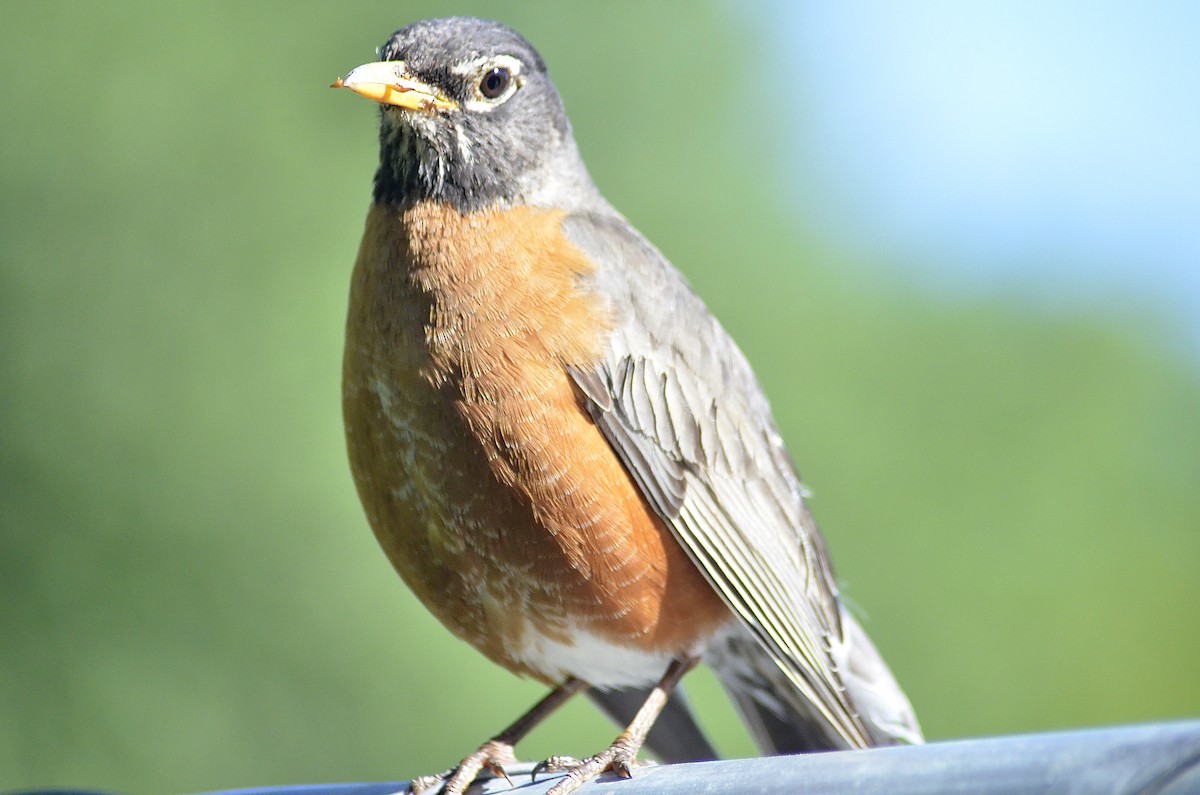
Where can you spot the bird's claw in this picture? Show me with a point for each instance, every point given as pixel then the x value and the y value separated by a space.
pixel 619 758
pixel 554 764
pixel 497 771
pixel 422 783
pixel 492 756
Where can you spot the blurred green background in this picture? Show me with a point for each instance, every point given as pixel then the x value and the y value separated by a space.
pixel 191 597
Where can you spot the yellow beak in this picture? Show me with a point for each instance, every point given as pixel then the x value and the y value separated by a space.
pixel 389 83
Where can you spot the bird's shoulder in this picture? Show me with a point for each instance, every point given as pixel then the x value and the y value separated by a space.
pixel 669 367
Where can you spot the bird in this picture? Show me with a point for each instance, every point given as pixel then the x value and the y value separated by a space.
pixel 561 451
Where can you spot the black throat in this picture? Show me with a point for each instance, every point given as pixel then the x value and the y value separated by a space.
pixel 431 165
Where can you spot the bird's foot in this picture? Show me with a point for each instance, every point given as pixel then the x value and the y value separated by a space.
pixel 492 756
pixel 620 758
pixel 422 783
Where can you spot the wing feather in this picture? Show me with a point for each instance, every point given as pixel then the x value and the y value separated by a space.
pixel 677 401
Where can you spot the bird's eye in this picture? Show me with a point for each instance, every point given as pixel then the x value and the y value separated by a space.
pixel 495 82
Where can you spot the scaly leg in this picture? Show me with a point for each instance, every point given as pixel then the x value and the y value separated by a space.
pixel 621 755
pixel 498 751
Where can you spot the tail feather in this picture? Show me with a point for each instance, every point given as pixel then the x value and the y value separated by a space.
pixel 884 708
pixel 781 721
pixel 775 732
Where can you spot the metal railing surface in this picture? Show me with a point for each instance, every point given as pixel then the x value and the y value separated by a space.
pixel 1153 759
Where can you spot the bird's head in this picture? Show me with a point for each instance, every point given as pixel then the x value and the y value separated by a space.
pixel 469 118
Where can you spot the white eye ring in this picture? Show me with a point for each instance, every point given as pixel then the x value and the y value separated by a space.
pixel 500 74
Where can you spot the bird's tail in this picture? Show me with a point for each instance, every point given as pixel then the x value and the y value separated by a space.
pixel 782 721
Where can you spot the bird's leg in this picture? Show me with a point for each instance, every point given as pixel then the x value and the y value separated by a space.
pixel 621 755
pixel 498 751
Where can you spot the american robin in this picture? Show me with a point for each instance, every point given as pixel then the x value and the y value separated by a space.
pixel 561 451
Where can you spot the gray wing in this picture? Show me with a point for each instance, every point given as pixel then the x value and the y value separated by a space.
pixel 679 404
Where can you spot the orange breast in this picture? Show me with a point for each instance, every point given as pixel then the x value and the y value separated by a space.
pixel 485 481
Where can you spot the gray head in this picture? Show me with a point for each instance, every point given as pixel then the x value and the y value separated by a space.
pixel 470 118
